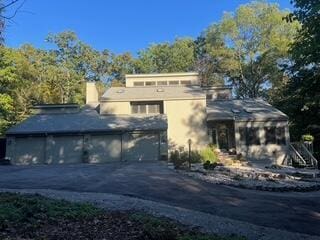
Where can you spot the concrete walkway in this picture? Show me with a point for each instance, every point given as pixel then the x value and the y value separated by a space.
pixel 294 212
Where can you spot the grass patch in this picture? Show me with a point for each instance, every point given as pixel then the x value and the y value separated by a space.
pixel 165 229
pixel 17 209
pixel 36 217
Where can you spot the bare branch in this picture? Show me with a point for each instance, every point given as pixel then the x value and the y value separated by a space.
pixel 15 11
pixel 8 5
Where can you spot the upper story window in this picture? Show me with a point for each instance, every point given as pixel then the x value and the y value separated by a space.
pixel 185 82
pixel 138 84
pixel 173 82
pixel 150 83
pixel 146 107
pixel 162 83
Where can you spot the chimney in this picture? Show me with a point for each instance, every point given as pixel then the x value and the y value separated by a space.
pixel 92 96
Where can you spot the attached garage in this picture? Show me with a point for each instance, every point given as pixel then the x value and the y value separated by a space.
pixel 85 137
pixel 104 148
pixel 27 150
pixel 143 147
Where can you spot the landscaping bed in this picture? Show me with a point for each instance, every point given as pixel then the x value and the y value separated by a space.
pixel 257 179
pixel 37 217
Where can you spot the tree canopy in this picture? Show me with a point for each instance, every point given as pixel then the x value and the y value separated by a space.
pixel 300 96
pixel 253 49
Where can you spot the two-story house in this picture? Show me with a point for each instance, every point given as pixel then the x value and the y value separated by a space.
pixel 151 116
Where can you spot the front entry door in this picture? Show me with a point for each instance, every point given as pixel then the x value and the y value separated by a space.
pixel 223 140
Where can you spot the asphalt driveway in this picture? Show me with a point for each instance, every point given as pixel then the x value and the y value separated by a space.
pixel 296 212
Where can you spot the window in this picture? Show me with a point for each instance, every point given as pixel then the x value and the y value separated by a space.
pixel 270 135
pixel 146 107
pixel 222 96
pixel 153 108
pixel 209 96
pixel 134 108
pixel 150 83
pixel 138 84
pixel 252 136
pixel 173 82
pixel 281 136
pixel 185 82
pixel 162 83
pixel 142 108
pixel 138 108
pixel 242 132
pixel 275 135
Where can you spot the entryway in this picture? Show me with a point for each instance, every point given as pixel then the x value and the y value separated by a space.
pixel 222 135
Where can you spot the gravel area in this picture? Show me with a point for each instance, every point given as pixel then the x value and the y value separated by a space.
pixel 207 222
pixel 259 179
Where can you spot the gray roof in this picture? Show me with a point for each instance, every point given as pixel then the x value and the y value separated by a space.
pixel 87 121
pixel 243 110
pixel 153 93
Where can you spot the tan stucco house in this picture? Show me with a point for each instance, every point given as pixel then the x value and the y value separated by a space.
pixel 151 116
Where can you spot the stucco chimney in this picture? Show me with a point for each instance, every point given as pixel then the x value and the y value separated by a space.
pixel 92 95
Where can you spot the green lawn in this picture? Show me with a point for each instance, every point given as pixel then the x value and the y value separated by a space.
pixel 37 217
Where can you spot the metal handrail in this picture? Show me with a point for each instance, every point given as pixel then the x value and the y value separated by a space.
pixel 296 155
pixel 313 160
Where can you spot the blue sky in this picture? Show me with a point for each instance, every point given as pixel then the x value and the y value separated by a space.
pixel 117 25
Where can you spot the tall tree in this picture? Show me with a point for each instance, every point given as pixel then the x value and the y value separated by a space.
pixel 166 57
pixel 256 40
pixel 300 97
pixel 8 10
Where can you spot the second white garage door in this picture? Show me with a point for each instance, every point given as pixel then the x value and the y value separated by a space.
pixel 143 147
pixel 105 148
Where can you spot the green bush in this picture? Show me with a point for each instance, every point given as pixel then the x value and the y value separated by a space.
pixel 209 154
pixel 176 159
pixel 209 166
pixel 307 138
pixel 182 158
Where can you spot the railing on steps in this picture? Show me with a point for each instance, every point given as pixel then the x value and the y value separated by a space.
pixel 300 154
pixel 308 156
pixel 295 155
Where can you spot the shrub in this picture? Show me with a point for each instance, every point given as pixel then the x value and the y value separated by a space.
pixel 182 158
pixel 209 154
pixel 209 166
pixel 195 157
pixel 307 138
pixel 175 159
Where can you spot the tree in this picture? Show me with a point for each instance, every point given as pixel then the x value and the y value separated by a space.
pixel 256 41
pixel 121 65
pixel 212 57
pixel 300 97
pixel 5 5
pixel 165 57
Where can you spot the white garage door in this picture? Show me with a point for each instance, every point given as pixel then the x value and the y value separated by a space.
pixel 143 147
pixel 65 149
pixel 105 148
pixel 29 150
